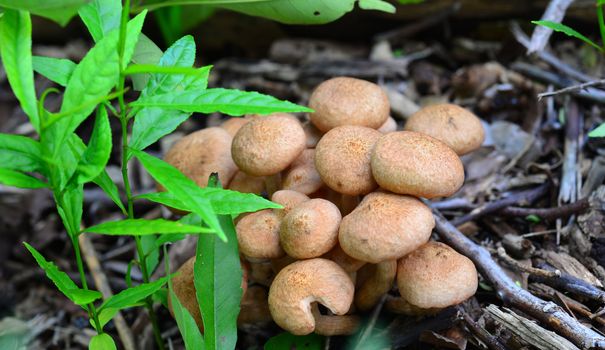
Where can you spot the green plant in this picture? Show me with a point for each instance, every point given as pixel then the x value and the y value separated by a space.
pixel 559 27
pixel 171 90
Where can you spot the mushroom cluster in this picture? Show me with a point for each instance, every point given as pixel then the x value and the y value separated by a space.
pixel 352 224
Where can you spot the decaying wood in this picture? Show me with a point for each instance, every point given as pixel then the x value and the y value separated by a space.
pixel 492 342
pixel 562 211
pixel 528 331
pixel 512 295
pixel 532 271
pixel 566 282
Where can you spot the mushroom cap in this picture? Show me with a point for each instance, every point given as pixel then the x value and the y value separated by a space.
pixel 342 159
pixel 202 153
pixel 232 125
pixel 348 101
pixel 436 276
pixel 302 175
pixel 389 126
pixel 385 226
pixel 310 229
pixel 258 235
pixel 245 183
pixel 267 145
pixel 312 133
pixel 288 199
pixel 453 125
pixel 303 282
pixel 407 162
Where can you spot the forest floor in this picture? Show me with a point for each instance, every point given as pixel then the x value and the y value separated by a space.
pixel 533 195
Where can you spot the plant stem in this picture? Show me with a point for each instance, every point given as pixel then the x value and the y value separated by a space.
pixel 92 310
pixel 124 124
pixel 601 24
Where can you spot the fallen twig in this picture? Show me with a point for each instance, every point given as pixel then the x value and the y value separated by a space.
pixel 528 269
pixel 572 88
pixel 549 213
pixel 554 12
pixel 569 283
pixel 515 296
pixel 492 342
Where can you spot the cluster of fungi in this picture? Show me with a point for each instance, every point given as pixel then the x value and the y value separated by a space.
pixel 352 224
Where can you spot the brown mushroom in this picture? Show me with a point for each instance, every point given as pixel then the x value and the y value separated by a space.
pixel 288 199
pixel 302 175
pixel 348 101
pixel 385 226
pixel 202 153
pixel 342 159
pixel 232 125
pixel 407 162
pixel 245 183
pixel 310 229
pixel 453 125
pixel 374 281
pixel 332 325
pixel 258 235
pixel 312 133
pixel 389 126
pixel 346 262
pixel 302 283
pixel 435 276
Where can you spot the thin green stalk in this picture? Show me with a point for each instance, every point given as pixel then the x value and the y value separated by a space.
pixel 92 310
pixel 601 24
pixel 124 124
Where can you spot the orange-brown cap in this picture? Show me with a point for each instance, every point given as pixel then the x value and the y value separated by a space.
pixel 342 159
pixel 258 235
pixel 407 162
pixel 232 125
pixel 202 153
pixel 302 175
pixel 245 183
pixel 313 134
pixel 267 145
pixel 310 229
pixel 455 126
pixel 389 126
pixel 304 282
pixel 385 226
pixel 348 101
pixel 435 276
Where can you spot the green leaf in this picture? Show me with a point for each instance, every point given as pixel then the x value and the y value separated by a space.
pixel 218 280
pixel 558 27
pixel 224 202
pixel 62 280
pixel 140 227
pixel 69 206
pixel 171 237
pixel 110 189
pixel 231 102
pixel 151 251
pixel 101 17
pixel 105 316
pixel 182 187
pixel 60 11
pixel 102 341
pixel 17 179
pixel 20 153
pixel 377 5
pixel 145 52
pixel 287 340
pixel 58 70
pixel 16 54
pixel 92 79
pixel 187 326
pixel 96 155
pixel 598 132
pixel 133 295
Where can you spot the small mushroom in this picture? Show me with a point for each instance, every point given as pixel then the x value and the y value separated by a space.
pixel 434 277
pixel 258 235
pixel 455 126
pixel 202 153
pixel 342 159
pixel 288 199
pixel 374 281
pixel 245 183
pixel 346 262
pixel 310 229
pixel 389 126
pixel 313 134
pixel 254 308
pixel 302 283
pixel 407 162
pixel 302 175
pixel 232 125
pixel 385 226
pixel 348 101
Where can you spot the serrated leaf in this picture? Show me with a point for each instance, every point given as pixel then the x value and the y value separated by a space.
pixel 287 340
pixel 180 54
pixel 20 153
pixel 145 52
pixel 182 187
pixel 559 27
pixel 17 179
pixel 133 295
pixel 224 202
pixel 16 54
pixel 102 341
pixel 96 155
pixel 57 70
pixel 227 101
pixel 60 11
pixel 218 280
pixel 101 17
pixel 62 280
pixel 599 131
pixel 140 227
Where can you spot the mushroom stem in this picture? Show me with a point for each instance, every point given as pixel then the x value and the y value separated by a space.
pixel 273 184
pixel 348 203
pixel 379 282
pixel 331 325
